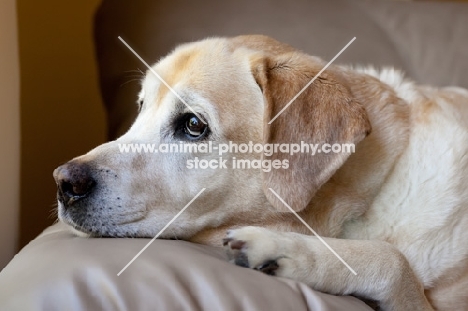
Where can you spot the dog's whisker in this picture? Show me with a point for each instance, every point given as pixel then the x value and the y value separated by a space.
pixel 129 81
pixel 138 70
pixel 53 213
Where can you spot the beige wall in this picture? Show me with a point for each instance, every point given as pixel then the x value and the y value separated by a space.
pixel 9 131
pixel 61 112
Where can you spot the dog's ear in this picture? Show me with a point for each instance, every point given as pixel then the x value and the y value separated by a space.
pixel 324 113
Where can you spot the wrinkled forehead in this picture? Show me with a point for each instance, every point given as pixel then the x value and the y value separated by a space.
pixel 204 66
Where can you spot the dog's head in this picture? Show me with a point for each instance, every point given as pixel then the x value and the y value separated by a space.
pixel 225 91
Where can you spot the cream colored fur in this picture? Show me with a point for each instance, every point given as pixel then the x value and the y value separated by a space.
pixel 396 210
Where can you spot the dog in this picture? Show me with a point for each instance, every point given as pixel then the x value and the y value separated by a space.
pixel 395 210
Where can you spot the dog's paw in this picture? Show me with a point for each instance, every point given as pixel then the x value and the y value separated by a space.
pixel 260 249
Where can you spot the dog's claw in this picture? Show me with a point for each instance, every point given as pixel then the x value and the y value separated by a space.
pixel 233 244
pixel 268 267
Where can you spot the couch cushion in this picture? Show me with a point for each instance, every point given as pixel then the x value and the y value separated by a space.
pixel 58 271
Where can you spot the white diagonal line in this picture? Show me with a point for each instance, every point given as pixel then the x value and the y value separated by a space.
pixel 315 233
pixel 311 81
pixel 161 79
pixel 159 233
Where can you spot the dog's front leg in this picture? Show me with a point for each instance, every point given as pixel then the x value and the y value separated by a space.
pixel 383 273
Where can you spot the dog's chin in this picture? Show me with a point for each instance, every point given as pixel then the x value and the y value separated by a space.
pixel 79 233
pixel 74 229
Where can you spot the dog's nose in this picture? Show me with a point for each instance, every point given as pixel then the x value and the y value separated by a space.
pixel 74 182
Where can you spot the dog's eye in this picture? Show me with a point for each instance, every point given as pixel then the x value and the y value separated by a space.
pixel 194 127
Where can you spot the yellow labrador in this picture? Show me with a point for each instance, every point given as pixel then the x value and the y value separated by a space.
pixel 395 210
